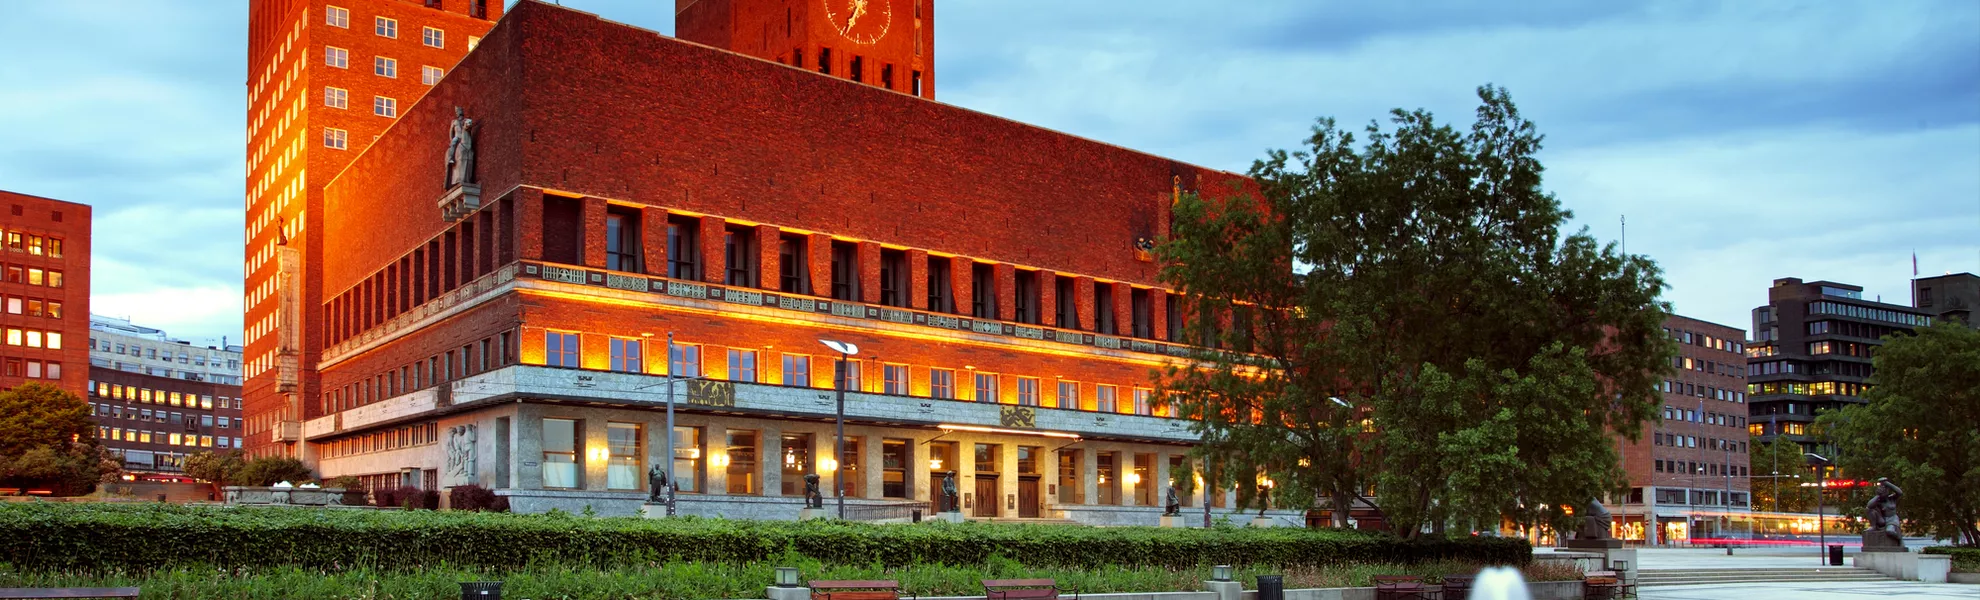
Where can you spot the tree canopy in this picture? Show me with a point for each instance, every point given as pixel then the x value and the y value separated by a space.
pixel 1918 428
pixel 1407 313
pixel 47 440
pixel 1782 491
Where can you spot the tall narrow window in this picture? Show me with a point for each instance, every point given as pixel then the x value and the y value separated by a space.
pixel 942 384
pixel 686 361
pixel 941 296
pixel 625 468
pixel 1027 391
pixel 894 461
pixel 916 79
pixel 1144 313
pixel 560 466
pixel 887 76
pixel 986 387
pixel 742 365
pixel 846 375
pixel 895 379
pixel 893 277
pixel 845 271
pixel 626 355
pixel 739 252
pixel 1172 305
pixel 743 477
pixel 1027 296
pixel 622 248
pixel 688 450
pixel 983 291
pixel 1068 395
pixel 560 349
pixel 1241 328
pixel 1103 396
pixel 858 69
pixel 1068 300
pixel 1144 401
pixel 825 60
pixel 793 265
pixel 797 370
pixel 1103 308
pixel 683 248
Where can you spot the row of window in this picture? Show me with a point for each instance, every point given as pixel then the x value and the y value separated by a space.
pixel 1691 441
pixel 132 393
pixel 33 244
pixel 1703 391
pixel 565 349
pixel 1865 312
pixel 1672 413
pixel 397 438
pixel 149 353
pixel 385 27
pixel 491 352
pixel 1697 468
pixel 34 307
pixel 34 276
pixel 1706 366
pixel 193 423
pixel 1699 339
pixel 1777 429
pixel 856 69
pixel 33 369
pixel 119 434
pixel 1858 349
pixel 34 338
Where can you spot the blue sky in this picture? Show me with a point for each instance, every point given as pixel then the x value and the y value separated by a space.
pixel 1745 141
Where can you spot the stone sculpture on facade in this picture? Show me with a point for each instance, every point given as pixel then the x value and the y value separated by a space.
pixel 460 149
pixel 949 503
pixel 1883 534
pixel 460 454
pixel 812 498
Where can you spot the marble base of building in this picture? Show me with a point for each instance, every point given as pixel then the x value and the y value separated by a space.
pixel 1907 566
pixel 806 514
pixel 1172 521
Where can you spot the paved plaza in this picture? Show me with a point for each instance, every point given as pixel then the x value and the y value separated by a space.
pixel 1814 591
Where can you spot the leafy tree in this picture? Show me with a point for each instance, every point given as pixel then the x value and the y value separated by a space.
pixel 47 440
pixel 269 470
pixel 1784 492
pixel 1445 340
pixel 1917 427
pixel 220 469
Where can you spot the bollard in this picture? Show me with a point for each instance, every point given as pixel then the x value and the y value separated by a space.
pixel 1271 587
pixel 481 590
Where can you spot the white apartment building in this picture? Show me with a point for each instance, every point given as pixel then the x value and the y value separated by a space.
pixel 121 345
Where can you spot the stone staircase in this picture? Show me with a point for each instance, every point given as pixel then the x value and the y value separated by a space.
pixel 1668 577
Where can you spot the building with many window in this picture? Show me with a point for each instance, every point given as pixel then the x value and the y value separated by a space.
pixel 44 286
pixel 154 422
pixel 646 221
pixel 1689 468
pixel 119 344
pixel 1811 351
pixel 325 78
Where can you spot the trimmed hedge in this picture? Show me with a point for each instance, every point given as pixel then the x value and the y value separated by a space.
pixel 143 537
pixel 1965 559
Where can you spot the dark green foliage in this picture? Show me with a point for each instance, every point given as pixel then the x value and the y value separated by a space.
pixel 1966 559
pixel 96 537
pixel 269 470
pixel 48 442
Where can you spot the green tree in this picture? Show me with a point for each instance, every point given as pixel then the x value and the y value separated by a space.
pixel 47 441
pixel 269 470
pixel 219 469
pixel 1409 314
pixel 1918 428
pixel 1781 492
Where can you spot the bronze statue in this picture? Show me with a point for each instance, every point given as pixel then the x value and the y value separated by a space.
pixel 1883 533
pixel 659 490
pixel 1595 520
pixel 949 501
pixel 812 499
pixel 1170 506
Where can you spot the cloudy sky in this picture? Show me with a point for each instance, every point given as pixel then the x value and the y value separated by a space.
pixel 1744 141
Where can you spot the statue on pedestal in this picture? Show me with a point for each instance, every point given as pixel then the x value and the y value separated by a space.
pixel 660 490
pixel 1170 505
pixel 1883 534
pixel 949 501
pixel 1595 522
pixel 812 498
pixel 460 149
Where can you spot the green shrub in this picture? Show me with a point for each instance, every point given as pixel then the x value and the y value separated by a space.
pixel 145 537
pixel 1965 559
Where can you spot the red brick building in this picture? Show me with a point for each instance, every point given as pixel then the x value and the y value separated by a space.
pixel 1690 469
pixel 325 78
pixel 44 292
pixel 629 187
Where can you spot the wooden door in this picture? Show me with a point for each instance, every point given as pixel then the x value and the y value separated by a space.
pixel 987 496
pixel 1028 497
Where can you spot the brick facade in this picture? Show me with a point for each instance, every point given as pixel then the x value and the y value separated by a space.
pixel 44 292
pixel 1696 454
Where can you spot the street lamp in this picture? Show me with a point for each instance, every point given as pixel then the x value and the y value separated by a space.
pixel 1821 474
pixel 846 350
pixel 671 482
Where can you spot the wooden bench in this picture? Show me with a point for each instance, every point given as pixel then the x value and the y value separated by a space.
pixel 870 589
pixel 1601 585
pixel 27 593
pixel 1400 587
pixel 1025 589
pixel 1456 587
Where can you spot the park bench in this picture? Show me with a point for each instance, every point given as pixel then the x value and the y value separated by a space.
pixel 1457 587
pixel 1400 587
pixel 871 589
pixel 1024 589
pixel 29 593
pixel 1601 585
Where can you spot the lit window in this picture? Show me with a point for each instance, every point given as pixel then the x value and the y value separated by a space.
pixel 336 138
pixel 895 379
pixel 560 349
pixel 624 468
pixel 384 107
pixel 560 453
pixel 742 365
pixel 797 370
pixel 337 16
pixel 430 75
pixel 336 97
pixel 626 355
pixel 385 27
pixel 433 36
pixel 336 57
pixel 54 340
pixel 385 67
pixel 1027 391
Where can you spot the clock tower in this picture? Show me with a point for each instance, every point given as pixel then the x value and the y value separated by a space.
pixel 882 43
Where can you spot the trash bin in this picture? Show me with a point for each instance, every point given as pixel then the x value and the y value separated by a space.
pixel 481 590
pixel 1835 555
pixel 1271 587
pixel 916 516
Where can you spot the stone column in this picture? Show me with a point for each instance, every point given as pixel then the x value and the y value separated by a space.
pixel 717 483
pixel 770 459
pixel 1089 475
pixel 1007 479
pixel 528 448
pixel 593 450
pixel 870 462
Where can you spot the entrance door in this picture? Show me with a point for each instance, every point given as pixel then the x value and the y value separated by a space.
pixel 987 497
pixel 1028 497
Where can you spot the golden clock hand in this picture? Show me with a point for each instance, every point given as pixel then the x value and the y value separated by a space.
pixel 859 8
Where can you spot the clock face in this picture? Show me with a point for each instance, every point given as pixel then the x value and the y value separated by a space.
pixel 862 21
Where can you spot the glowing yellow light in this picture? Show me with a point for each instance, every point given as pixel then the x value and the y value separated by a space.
pixel 719 460
pixel 694 453
pixel 828 465
pixel 981 429
pixel 1306 462
pixel 1134 479
pixel 934 464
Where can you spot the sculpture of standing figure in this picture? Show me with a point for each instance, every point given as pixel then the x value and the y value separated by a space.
pixel 949 503
pixel 460 149
pixel 1883 516
pixel 659 490
pixel 812 499
pixel 1170 506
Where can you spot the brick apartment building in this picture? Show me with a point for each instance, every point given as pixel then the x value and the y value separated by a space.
pixel 325 78
pixel 45 291
pixel 1689 470
pixel 630 187
pixel 157 399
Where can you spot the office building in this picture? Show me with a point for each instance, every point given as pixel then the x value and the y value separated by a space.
pixel 1949 296
pixel 1689 468
pixel 1811 350
pixel 120 345
pixel 45 290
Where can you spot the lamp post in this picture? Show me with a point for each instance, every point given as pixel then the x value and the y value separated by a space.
pixel 846 350
pixel 1821 481
pixel 670 422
